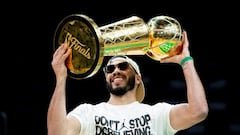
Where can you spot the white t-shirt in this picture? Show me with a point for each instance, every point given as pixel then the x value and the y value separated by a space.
pixel 132 119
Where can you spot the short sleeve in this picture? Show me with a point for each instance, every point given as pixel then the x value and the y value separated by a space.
pixel 162 113
pixel 84 115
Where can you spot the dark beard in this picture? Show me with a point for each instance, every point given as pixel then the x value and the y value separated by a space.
pixel 122 90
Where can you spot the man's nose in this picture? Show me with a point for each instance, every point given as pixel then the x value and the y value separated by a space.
pixel 116 71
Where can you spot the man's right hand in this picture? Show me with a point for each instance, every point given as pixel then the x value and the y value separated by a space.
pixel 59 58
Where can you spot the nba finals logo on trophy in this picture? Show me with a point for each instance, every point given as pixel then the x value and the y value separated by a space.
pixel 159 38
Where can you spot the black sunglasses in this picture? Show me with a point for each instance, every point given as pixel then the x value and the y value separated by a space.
pixel 110 68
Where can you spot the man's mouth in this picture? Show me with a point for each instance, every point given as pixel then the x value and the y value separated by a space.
pixel 116 80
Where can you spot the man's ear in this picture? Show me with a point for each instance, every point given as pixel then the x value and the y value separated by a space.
pixel 138 79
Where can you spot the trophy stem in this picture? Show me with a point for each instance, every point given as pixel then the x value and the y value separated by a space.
pixel 126 49
pixel 126 37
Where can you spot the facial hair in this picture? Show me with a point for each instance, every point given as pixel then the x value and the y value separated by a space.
pixel 119 91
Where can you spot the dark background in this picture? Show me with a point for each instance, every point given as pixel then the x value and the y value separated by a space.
pixel 27 48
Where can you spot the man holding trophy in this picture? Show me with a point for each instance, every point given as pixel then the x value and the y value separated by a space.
pixel 79 49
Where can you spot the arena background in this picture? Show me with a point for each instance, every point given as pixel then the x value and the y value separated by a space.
pixel 27 46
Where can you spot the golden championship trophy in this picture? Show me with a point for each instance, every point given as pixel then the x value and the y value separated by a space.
pixel 160 38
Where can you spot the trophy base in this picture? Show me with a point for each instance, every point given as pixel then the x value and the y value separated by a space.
pixel 83 37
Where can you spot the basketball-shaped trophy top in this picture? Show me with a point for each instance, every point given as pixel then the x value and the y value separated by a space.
pixel 165 36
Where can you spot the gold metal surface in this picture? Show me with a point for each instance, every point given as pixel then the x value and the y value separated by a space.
pixel 82 35
pixel 160 38
pixel 126 37
pixel 165 37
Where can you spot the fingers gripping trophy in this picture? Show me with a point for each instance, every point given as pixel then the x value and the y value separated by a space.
pixel 159 38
